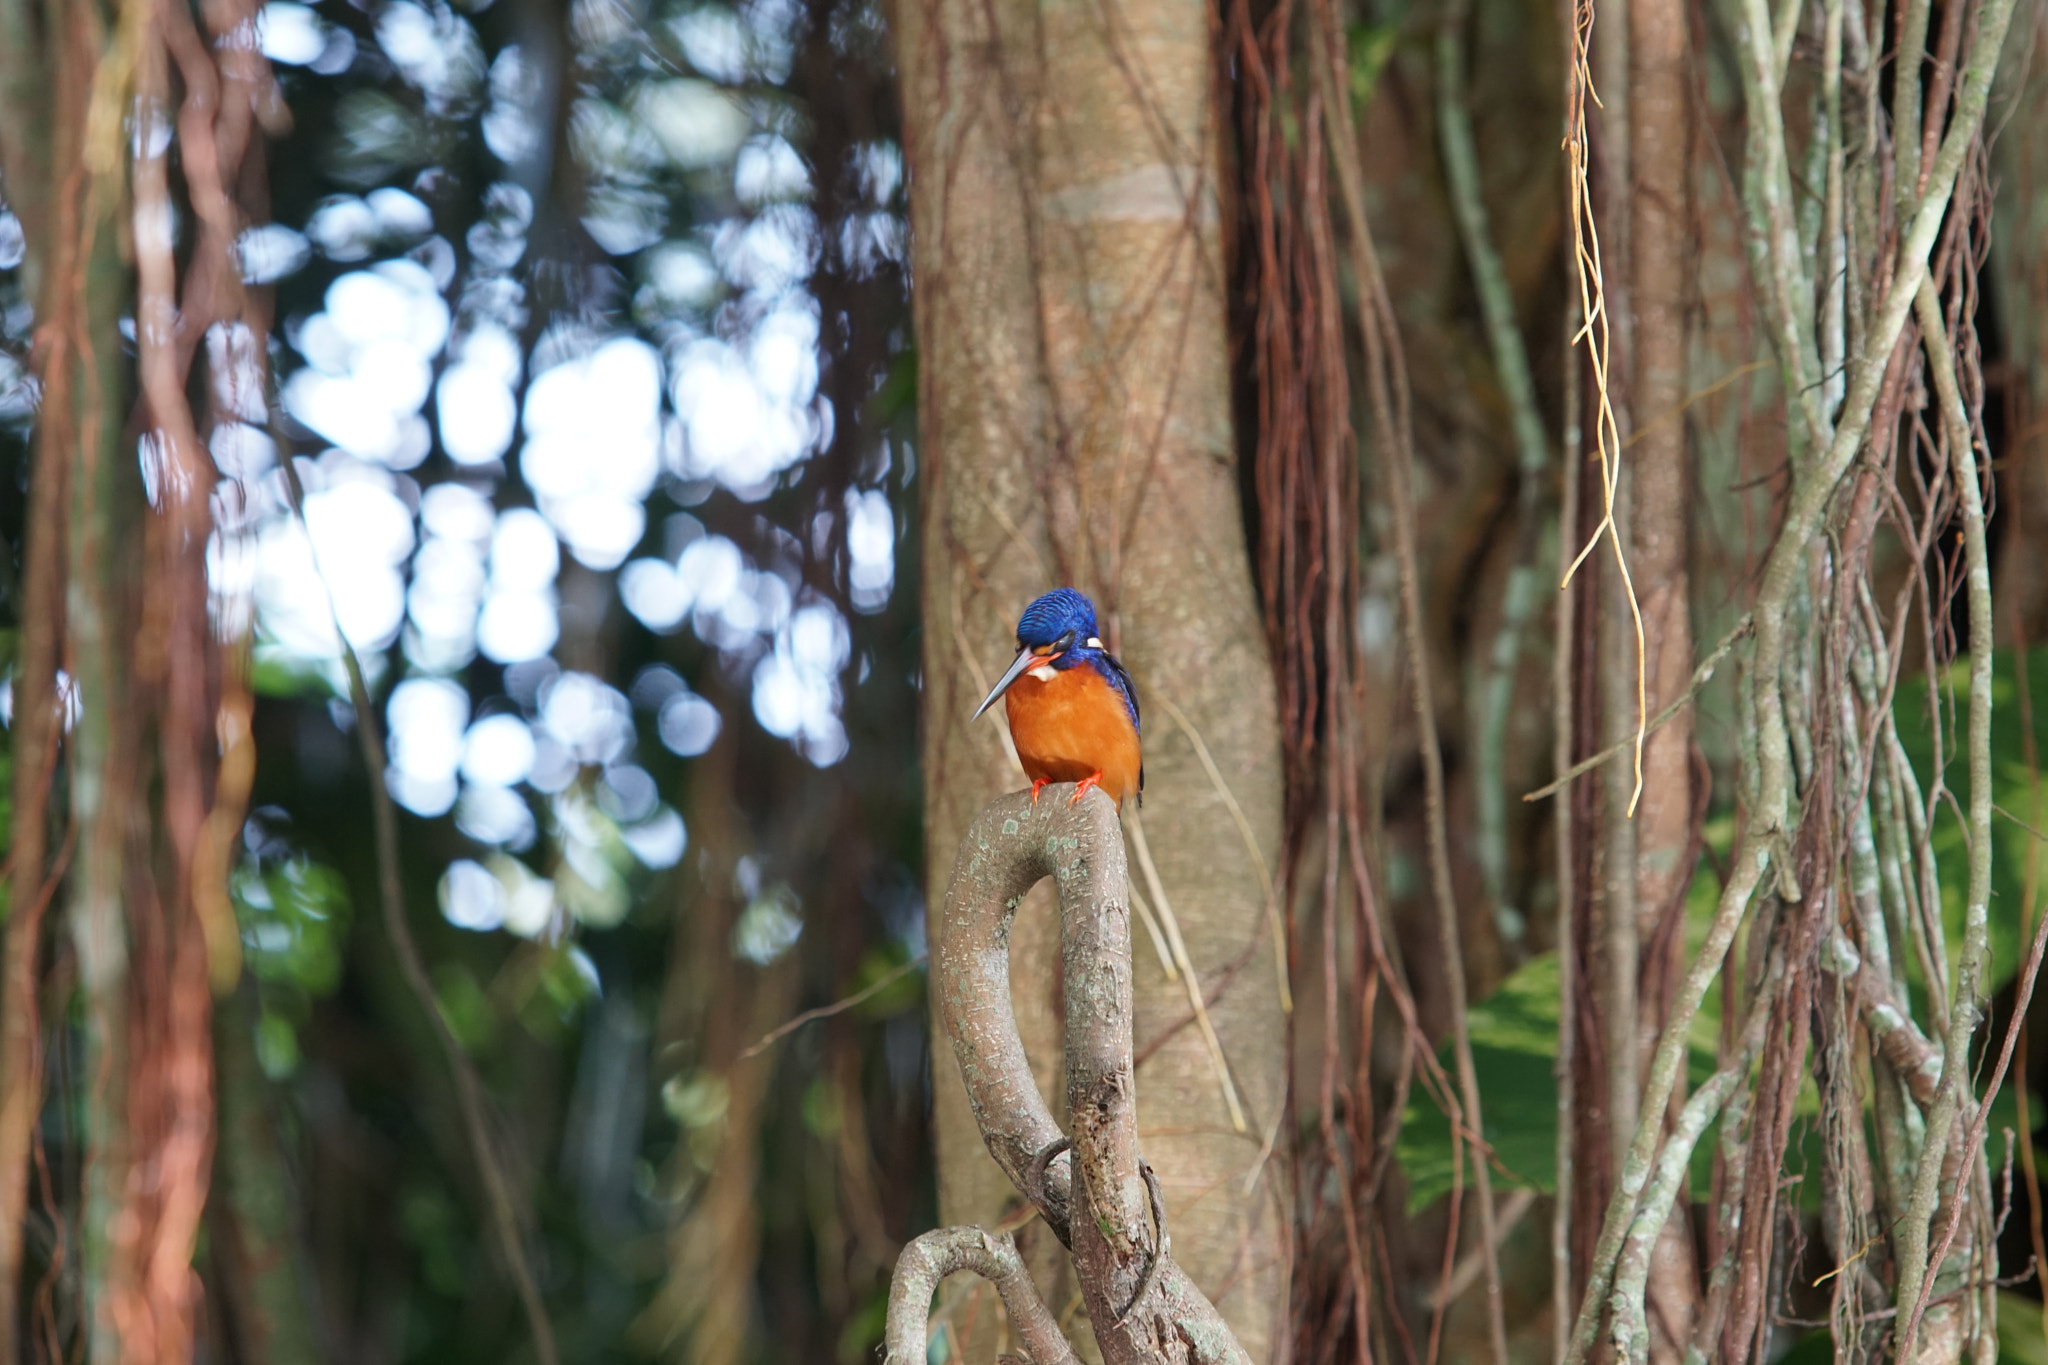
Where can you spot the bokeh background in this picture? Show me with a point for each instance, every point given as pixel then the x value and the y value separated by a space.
pixel 592 357
pixel 586 421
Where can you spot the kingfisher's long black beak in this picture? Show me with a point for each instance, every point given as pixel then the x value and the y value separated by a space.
pixel 1019 666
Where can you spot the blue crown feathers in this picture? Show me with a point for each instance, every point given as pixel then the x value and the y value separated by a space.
pixel 1059 612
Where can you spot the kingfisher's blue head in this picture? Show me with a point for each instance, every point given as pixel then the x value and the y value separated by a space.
pixel 1058 631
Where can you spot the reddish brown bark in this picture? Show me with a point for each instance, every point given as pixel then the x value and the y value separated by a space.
pixel 1660 466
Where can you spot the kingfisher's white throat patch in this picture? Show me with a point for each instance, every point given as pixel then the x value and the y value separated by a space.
pixel 1044 673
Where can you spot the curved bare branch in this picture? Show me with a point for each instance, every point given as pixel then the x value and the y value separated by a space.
pixel 993 1256
pixel 1146 1310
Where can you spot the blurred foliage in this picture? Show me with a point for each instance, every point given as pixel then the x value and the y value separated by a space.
pixel 684 806
pixel 294 914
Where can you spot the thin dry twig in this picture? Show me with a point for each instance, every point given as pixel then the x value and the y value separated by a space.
pixel 1189 977
pixel 1593 330
pixel 1701 676
pixel 1154 934
pixel 1251 844
pixel 859 997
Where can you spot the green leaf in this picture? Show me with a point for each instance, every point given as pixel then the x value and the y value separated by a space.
pixel 905 992
pixel 2020 1338
pixel 470 1014
pixel 1514 1054
pixel 2012 847
pixel 1514 1051
pixel 294 918
pixel 863 1332
pixel 898 395
pixel 1370 48
pixel 278 671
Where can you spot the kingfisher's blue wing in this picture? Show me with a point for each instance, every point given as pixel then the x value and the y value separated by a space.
pixel 1120 679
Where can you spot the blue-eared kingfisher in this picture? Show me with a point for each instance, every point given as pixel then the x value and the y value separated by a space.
pixel 1073 711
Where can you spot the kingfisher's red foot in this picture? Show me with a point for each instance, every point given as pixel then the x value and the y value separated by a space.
pixel 1081 788
pixel 1036 786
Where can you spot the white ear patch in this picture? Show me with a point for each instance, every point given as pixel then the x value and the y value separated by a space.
pixel 1094 643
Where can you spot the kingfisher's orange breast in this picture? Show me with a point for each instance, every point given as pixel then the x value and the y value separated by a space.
pixel 1072 725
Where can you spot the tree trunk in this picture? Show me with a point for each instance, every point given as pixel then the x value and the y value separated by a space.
pixel 121 663
pixel 23 83
pixel 1659 543
pixel 1076 429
